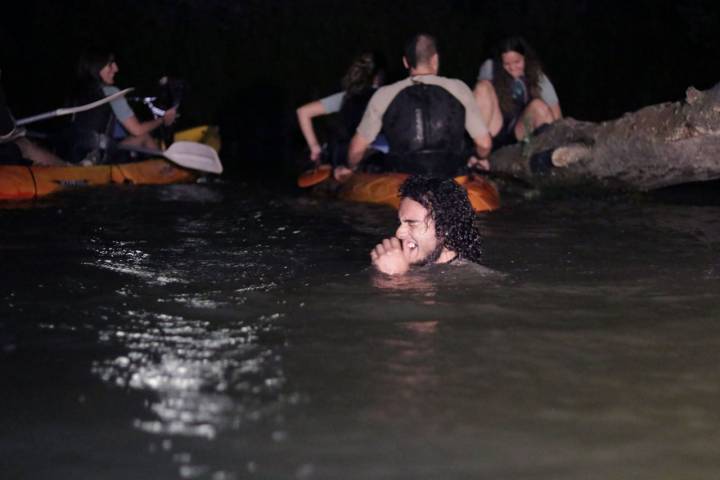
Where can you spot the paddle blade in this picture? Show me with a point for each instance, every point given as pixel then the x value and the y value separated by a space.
pixel 195 156
pixel 314 176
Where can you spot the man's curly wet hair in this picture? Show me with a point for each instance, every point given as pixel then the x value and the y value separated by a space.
pixel 448 205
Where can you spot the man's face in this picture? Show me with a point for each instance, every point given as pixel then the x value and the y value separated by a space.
pixel 417 233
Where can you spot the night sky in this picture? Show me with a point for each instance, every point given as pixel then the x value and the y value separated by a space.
pixel 251 63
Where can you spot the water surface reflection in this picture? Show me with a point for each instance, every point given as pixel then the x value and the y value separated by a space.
pixel 219 332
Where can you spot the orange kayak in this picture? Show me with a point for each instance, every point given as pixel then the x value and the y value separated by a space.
pixel 383 188
pixel 28 182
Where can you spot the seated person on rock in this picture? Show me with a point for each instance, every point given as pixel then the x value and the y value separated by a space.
pixel 361 80
pixel 116 121
pixel 424 118
pixel 436 227
pixel 514 95
pixel 14 147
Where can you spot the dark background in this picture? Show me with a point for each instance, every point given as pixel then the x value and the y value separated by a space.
pixel 251 63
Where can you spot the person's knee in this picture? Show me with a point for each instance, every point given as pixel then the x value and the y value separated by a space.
pixel 484 89
pixel 540 112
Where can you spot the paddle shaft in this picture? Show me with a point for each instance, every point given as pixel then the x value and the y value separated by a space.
pixel 67 111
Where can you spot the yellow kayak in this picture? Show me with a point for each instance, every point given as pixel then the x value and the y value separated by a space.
pixel 28 182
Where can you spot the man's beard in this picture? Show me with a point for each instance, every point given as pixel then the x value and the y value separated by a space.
pixel 431 257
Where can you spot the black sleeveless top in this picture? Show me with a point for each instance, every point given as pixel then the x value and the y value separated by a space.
pixel 351 112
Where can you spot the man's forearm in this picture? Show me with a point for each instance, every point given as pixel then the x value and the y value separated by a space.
pixel 356 151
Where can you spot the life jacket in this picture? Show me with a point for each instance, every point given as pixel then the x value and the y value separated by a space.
pixel 425 128
pixel 91 129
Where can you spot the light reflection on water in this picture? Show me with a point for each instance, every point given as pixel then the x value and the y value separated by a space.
pixel 172 357
pixel 189 364
pixel 243 334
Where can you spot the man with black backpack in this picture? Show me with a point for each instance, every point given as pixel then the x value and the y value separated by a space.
pixel 424 118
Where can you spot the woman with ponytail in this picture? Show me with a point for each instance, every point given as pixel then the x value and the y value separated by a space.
pixel 361 80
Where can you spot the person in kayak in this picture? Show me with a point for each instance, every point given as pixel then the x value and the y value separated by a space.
pixel 424 118
pixel 514 95
pixel 15 148
pixel 436 227
pixel 361 80
pixel 91 129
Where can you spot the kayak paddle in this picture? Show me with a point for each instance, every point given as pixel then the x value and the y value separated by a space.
pixel 67 111
pixel 192 155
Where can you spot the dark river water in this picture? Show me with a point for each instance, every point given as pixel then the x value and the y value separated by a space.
pixel 218 331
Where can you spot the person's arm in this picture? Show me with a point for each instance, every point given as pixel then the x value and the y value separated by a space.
pixel 474 122
pixel 137 128
pixel 130 122
pixel 549 96
pixel 356 152
pixel 486 71
pixel 305 114
pixel 556 111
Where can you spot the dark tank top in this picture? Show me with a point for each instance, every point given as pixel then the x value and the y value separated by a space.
pixel 351 112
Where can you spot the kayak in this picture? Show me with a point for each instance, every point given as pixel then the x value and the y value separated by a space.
pixel 19 182
pixel 382 188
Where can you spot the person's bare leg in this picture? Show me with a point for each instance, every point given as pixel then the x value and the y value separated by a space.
pixel 487 100
pixel 536 113
pixel 37 154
